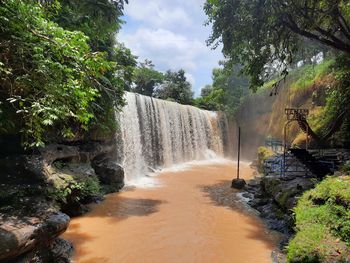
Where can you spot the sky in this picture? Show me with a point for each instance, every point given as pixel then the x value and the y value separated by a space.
pixel 171 33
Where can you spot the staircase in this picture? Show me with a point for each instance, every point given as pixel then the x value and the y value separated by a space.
pixel 317 168
pixel 305 127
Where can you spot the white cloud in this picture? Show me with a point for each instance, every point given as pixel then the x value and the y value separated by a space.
pixel 166 49
pixel 172 35
pixel 158 14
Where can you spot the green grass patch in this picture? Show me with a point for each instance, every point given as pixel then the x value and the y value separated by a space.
pixel 323 223
pixel 307 75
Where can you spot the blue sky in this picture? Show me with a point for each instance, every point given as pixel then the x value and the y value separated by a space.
pixel 172 34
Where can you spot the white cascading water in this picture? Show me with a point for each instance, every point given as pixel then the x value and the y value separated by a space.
pixel 156 134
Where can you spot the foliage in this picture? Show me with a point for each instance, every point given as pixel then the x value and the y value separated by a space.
pixel 70 188
pixel 206 90
pixel 307 75
pixel 175 88
pixel 212 101
pixel 345 168
pixel 335 115
pixel 323 223
pixel 227 91
pixel 257 34
pixel 49 75
pixel 264 153
pixel 100 20
pixel 146 78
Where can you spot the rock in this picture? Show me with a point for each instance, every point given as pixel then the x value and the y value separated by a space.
pixel 25 169
pixel 22 234
pixel 74 208
pixel 58 251
pixel 84 152
pixel 109 172
pixel 55 152
pixel 238 183
pixel 61 250
pixel 95 149
pixel 284 192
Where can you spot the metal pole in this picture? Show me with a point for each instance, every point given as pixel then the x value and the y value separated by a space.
pixel 307 137
pixel 239 150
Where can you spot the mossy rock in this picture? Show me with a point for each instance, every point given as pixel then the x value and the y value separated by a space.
pixel 73 184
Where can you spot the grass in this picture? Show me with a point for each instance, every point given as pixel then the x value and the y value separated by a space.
pixel 307 75
pixel 304 76
pixel 323 223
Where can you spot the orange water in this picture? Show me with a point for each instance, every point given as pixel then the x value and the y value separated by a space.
pixel 193 217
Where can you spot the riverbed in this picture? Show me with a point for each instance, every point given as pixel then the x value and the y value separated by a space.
pixel 190 215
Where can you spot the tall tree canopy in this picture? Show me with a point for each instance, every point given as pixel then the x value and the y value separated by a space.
pixel 256 33
pixel 53 77
pixel 100 20
pixel 146 78
pixel 227 91
pixel 176 88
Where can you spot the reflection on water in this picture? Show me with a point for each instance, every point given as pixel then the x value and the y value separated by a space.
pixel 193 217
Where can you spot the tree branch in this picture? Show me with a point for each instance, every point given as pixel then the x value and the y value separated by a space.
pixel 340 45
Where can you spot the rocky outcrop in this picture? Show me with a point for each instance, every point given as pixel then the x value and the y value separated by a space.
pixel 24 169
pixel 34 187
pixel 23 231
pixel 274 195
pixel 109 172
pixel 84 152
pixel 286 192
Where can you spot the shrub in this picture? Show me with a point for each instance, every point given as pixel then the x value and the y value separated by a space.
pixel 263 154
pixel 74 188
pixel 323 223
pixel 49 76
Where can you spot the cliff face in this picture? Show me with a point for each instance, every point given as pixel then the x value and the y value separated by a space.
pixel 262 114
pixel 39 190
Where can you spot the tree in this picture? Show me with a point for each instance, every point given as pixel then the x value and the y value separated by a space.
pixel 214 100
pixel 100 20
pixel 226 92
pixel 206 90
pixel 260 32
pixel 176 88
pixel 146 78
pixel 49 76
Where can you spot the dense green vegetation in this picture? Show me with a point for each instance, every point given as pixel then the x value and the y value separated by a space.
pixel 54 78
pixel 323 223
pixel 171 85
pixel 146 79
pixel 257 34
pixel 175 88
pixel 226 92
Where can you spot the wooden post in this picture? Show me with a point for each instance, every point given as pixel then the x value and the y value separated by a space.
pixel 239 151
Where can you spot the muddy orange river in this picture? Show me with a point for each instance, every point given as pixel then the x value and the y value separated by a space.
pixel 193 216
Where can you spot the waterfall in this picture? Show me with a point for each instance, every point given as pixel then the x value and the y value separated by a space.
pixel 155 133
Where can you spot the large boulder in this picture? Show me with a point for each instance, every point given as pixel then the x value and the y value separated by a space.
pixel 286 192
pixel 25 169
pixel 108 171
pixel 21 234
pixel 84 152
